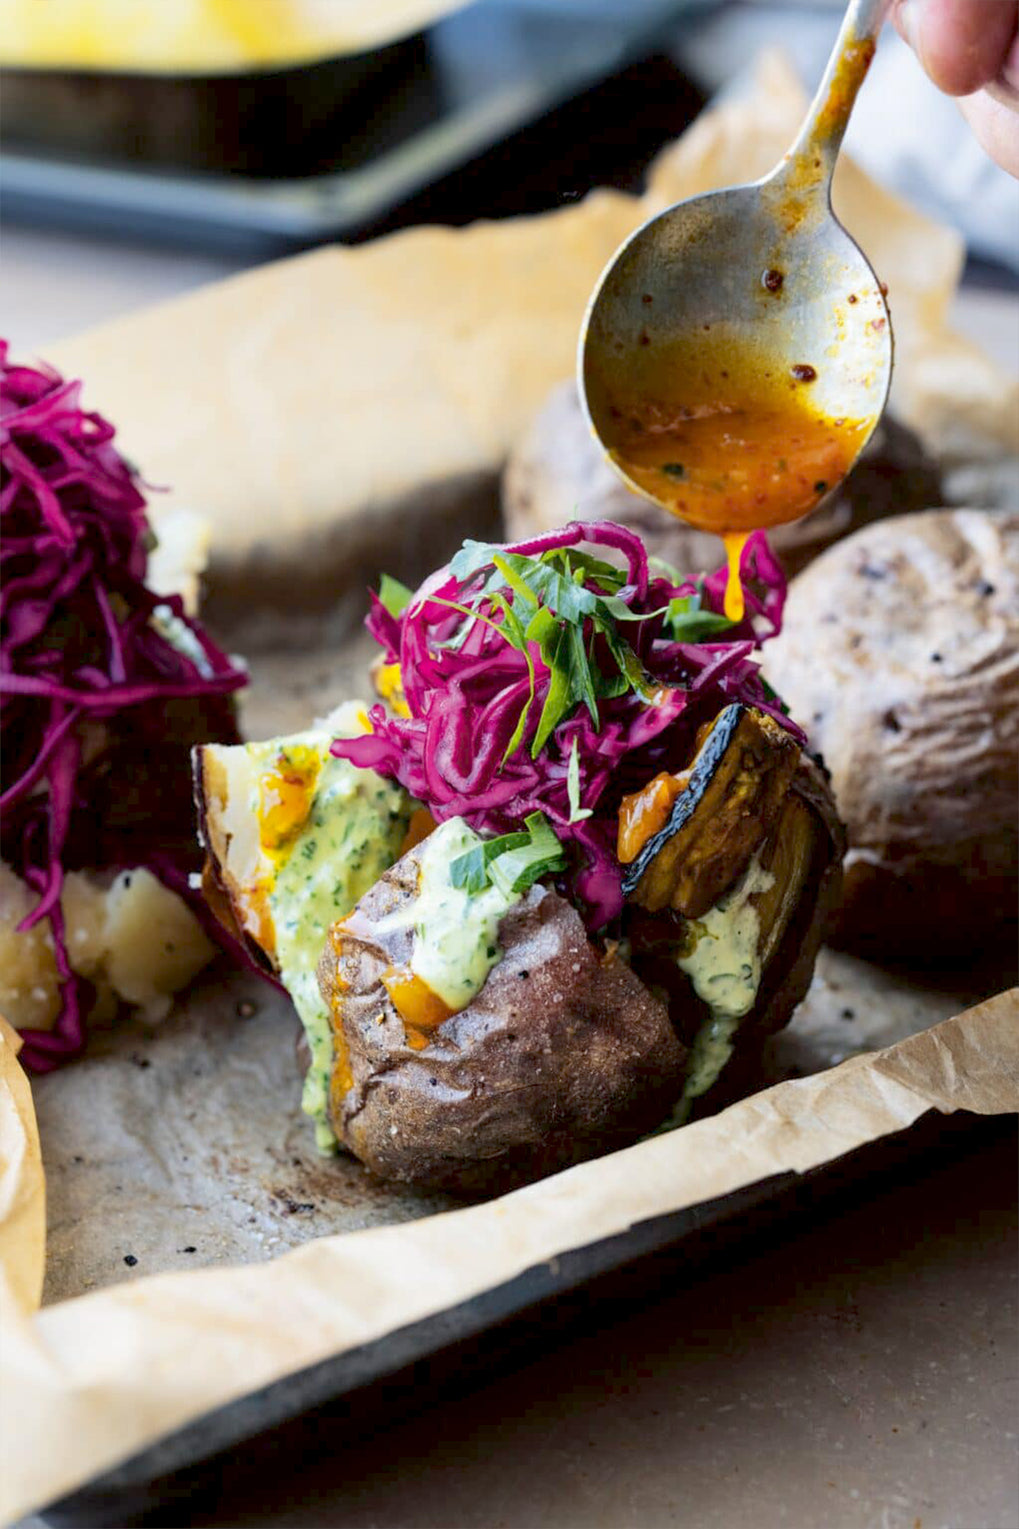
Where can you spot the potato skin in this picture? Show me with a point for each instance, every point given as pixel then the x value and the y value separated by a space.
pixel 220 889
pixel 900 654
pixel 559 1057
pixel 557 472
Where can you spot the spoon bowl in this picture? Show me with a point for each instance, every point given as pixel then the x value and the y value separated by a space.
pixel 734 324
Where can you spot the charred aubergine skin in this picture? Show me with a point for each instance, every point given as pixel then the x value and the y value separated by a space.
pixel 561 1056
pixel 729 800
pixel 750 791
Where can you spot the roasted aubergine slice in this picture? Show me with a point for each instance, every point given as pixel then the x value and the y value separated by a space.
pixel 733 874
pixel 687 837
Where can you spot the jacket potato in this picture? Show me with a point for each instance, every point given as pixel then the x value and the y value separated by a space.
pixel 571 1046
pixel 900 652
pixel 563 1053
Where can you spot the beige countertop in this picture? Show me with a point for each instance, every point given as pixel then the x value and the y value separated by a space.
pixel 863 1374
pixel 56 285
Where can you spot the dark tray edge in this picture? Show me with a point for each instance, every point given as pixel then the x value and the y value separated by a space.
pixel 167 1471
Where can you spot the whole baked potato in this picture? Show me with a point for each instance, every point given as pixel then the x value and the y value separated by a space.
pixel 900 653
pixel 558 471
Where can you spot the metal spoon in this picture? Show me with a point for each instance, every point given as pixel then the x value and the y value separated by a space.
pixel 764 273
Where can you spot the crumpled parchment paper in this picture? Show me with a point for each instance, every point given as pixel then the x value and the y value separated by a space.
pixel 22 1189
pixel 91 1380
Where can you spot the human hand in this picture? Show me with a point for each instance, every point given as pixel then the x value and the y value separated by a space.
pixel 970 49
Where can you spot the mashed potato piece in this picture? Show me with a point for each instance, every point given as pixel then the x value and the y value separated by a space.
pixel 131 937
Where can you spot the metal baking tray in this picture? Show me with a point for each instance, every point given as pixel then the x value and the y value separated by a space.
pixel 214 1460
pixel 277 159
pixel 261 123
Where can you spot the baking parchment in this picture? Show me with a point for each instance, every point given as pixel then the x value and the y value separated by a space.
pixel 22 1189
pixel 89 1381
pixel 320 391
pixel 191 1136
pixel 171 1151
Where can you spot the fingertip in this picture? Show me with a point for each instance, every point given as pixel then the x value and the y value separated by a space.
pixel 961 45
pixel 995 127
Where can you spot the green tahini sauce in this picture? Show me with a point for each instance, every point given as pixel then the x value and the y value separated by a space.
pixel 725 969
pixel 353 833
pixel 455 932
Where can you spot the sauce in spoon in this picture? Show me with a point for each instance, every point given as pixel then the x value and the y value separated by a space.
pixel 725 439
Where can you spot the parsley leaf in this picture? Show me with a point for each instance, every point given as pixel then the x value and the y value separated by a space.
pixel 577 813
pixel 514 871
pixel 394 596
pixel 511 862
pixel 685 621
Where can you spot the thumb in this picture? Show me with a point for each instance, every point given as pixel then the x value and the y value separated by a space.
pixel 962 44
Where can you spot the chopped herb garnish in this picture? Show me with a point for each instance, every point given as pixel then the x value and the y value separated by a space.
pixel 674 469
pixel 687 621
pixel 554 607
pixel 573 785
pixel 394 596
pixel 511 862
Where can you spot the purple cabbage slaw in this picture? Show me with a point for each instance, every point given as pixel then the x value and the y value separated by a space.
pixel 465 691
pixel 93 695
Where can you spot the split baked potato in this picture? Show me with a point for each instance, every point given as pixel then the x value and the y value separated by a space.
pixel 628 863
pixel 563 1054
pixel 574 1046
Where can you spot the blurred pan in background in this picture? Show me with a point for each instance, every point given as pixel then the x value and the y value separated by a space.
pixel 264 122
pixel 268 157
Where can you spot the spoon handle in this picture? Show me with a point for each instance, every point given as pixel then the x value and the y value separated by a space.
pixel 820 137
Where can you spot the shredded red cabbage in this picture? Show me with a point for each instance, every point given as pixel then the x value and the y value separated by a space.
pixel 98 706
pixel 465 685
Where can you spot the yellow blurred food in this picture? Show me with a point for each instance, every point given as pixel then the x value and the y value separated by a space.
pixel 200 36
